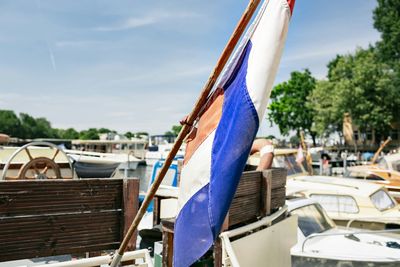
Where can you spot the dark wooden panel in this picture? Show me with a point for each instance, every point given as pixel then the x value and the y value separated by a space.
pixel 55 217
pixel 273 190
pixel 246 204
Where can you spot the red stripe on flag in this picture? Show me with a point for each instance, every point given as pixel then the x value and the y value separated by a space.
pixel 291 5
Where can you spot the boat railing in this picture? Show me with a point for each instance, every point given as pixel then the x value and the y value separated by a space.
pixel 141 255
pixel 350 233
pixel 225 236
pixel 377 218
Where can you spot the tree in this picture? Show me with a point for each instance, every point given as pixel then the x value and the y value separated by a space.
pixel 90 134
pixel 387 22
pixel 288 109
pixel 141 134
pixel 129 135
pixel 363 86
pixel 28 124
pixel 328 113
pixel 10 123
pixel 69 133
pixel 176 129
pixel 43 129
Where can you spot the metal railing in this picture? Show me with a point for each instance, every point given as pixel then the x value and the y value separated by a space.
pixel 347 234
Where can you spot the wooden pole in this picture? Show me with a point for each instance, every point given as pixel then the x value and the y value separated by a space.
pixel 229 48
pixel 376 155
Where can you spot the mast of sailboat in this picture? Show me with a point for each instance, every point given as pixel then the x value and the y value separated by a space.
pixel 227 52
pixel 376 155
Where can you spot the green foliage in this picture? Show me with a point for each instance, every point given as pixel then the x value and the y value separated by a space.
pixel 69 133
pixel 176 129
pixel 90 134
pixel 10 123
pixel 129 135
pixel 387 22
pixel 288 109
pixel 294 140
pixel 328 114
pixel 361 85
pixel 105 130
pixel 139 134
pixel 169 133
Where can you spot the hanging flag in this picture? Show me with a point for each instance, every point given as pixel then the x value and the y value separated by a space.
pixel 217 151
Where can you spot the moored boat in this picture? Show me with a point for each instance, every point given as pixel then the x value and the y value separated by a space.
pixel 322 243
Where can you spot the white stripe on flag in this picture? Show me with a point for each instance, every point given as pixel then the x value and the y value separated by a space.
pixel 196 172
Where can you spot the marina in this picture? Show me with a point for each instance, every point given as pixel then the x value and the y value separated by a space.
pixel 289 157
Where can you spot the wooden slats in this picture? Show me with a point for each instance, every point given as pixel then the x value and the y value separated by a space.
pixel 55 217
pixel 246 204
pixel 257 195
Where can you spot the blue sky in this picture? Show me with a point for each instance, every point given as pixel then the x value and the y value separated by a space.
pixel 140 65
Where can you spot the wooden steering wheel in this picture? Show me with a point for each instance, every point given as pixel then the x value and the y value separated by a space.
pixel 37 167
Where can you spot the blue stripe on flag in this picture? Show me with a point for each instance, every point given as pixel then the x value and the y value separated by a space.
pixel 200 220
pixel 232 143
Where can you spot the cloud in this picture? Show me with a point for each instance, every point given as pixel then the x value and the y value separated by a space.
pixel 151 19
pixel 77 44
pixel 324 49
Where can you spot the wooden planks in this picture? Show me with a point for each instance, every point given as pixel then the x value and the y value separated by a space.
pixel 246 204
pixel 54 217
pixel 273 190
pixel 258 194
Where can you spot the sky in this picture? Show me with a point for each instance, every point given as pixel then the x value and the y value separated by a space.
pixel 140 65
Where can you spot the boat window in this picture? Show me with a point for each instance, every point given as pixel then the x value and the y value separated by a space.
pixel 335 203
pixel 382 164
pixel 312 219
pixel 354 174
pixel 374 177
pixel 382 200
pixel 289 162
pixel 396 165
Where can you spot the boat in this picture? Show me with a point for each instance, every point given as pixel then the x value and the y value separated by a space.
pixel 322 243
pixel 159 148
pixel 385 172
pixel 134 146
pixel 368 205
pixel 102 165
pixel 349 202
pixel 35 160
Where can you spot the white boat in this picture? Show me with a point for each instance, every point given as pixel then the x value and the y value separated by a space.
pixel 322 243
pixel 102 165
pixel 159 148
pixel 160 152
pixel 36 160
pixel 349 202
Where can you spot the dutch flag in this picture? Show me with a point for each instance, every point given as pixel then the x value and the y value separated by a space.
pixel 216 155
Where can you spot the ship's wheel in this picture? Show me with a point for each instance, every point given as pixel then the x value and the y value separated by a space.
pixel 39 167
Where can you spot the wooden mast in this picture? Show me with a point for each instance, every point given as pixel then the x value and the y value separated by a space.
pixel 376 155
pixel 229 48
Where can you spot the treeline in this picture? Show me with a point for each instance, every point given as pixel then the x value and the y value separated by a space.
pixel 365 84
pixel 27 127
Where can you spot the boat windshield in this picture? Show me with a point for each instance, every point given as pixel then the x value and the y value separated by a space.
pixel 383 164
pixel 288 162
pixel 313 219
pixel 396 165
pixel 382 200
